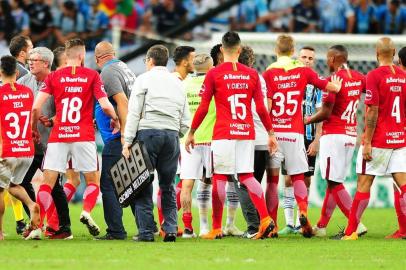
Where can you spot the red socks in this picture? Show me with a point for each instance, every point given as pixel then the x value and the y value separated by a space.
pixel 400 206
pixel 272 198
pixel 159 206
pixel 218 198
pixel 187 221
pixel 44 200
pixel 90 197
pixel 361 200
pixel 342 198
pixel 329 204
pixel 52 215
pixel 256 194
pixel 300 191
pixel 178 190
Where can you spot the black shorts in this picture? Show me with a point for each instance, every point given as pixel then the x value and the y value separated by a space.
pixel 311 161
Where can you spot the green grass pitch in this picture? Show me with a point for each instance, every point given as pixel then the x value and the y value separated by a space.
pixel 372 251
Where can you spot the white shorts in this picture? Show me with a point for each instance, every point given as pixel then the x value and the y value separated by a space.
pixel 192 165
pixel 291 151
pixel 384 161
pixel 83 155
pixel 13 170
pixel 233 156
pixel 335 157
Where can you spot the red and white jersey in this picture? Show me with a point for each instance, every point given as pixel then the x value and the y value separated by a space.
pixel 343 118
pixel 15 117
pixel 74 90
pixel 387 90
pixel 233 86
pixel 286 88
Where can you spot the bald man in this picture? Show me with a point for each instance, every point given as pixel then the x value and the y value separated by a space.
pixel 118 82
pixel 383 150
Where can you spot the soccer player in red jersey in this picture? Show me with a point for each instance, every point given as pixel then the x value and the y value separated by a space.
pixel 384 143
pixel 286 82
pixel 401 231
pixel 339 136
pixel 74 89
pixel 16 144
pixel 233 86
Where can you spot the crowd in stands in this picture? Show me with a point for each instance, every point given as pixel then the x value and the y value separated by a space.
pixel 51 22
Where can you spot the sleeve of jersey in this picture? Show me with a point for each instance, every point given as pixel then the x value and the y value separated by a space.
pixel 268 84
pixel 315 79
pixel 98 87
pixel 329 97
pixel 260 107
pixel 46 86
pixel 206 94
pixel 371 93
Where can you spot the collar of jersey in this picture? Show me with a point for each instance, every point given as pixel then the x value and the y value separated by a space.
pixel 286 63
pixel 112 61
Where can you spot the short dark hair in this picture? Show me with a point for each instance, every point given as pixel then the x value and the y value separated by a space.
pixel 75 42
pixel 341 49
pixel 57 55
pixel 182 53
pixel 159 54
pixel 69 5
pixel 309 48
pixel 402 56
pixel 247 56
pixel 18 44
pixel 214 53
pixel 230 40
pixel 8 65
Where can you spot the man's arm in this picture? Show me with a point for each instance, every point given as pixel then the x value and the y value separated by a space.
pixel 185 120
pixel 108 109
pixel 135 107
pixel 122 110
pixel 371 117
pixel 36 112
pixel 321 114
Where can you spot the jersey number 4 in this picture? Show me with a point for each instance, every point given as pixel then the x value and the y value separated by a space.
pixel 71 110
pixel 15 124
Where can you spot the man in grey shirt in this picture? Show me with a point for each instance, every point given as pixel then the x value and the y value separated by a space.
pixel 118 82
pixel 40 62
pixel 20 47
pixel 158 114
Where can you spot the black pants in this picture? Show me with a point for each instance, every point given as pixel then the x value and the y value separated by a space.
pixel 249 211
pixel 58 195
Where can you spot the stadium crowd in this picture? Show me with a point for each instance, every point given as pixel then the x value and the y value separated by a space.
pixel 230 125
pixel 50 23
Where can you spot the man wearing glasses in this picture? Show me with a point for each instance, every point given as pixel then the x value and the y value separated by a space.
pixel 40 62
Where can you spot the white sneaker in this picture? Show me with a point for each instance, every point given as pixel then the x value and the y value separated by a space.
pixel 319 232
pixel 232 230
pixel 203 232
pixel 86 219
pixel 361 229
pixel 34 234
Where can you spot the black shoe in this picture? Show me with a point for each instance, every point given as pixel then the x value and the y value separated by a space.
pixel 339 235
pixel 136 238
pixel 20 226
pixel 170 237
pixel 108 236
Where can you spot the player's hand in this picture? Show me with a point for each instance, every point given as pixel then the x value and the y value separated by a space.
pixel 115 124
pixel 190 142
pixel 36 137
pixel 367 151
pixel 337 81
pixel 126 150
pixel 46 121
pixel 313 148
pixel 95 124
pixel 272 144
